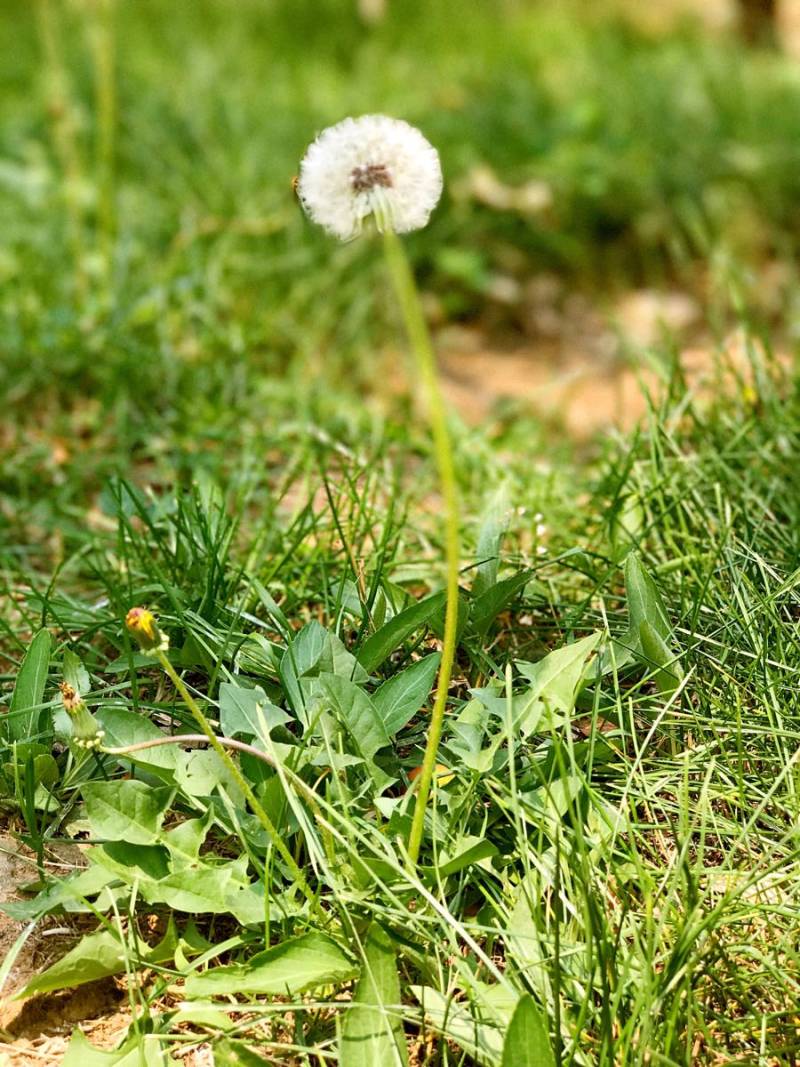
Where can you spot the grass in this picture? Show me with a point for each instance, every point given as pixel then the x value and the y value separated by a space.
pixel 198 420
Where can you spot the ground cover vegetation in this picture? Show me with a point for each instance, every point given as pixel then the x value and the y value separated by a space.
pixel 206 414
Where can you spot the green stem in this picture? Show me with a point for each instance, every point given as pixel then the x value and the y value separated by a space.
pixel 101 41
pixel 422 350
pixel 241 781
pixel 65 138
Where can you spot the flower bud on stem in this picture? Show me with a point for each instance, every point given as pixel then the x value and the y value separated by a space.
pixel 142 625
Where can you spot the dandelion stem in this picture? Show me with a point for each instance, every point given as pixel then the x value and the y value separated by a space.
pixel 65 140
pixel 422 350
pixel 101 40
pixel 241 781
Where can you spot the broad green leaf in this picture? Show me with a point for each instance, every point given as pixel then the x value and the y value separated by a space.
pixel 200 770
pixel 337 660
pixel 482 1041
pixel 490 537
pixel 301 657
pixel 247 712
pixel 235 1054
pixel 527 1042
pixel 372 1033
pixel 657 653
pixel 356 712
pixel 75 674
pixel 399 699
pixel 469 850
pixel 650 635
pixel 383 642
pixel 139 1050
pixel 125 810
pixel 125 728
pixel 302 963
pixel 130 862
pixel 555 679
pixel 45 768
pixel 644 601
pixel 98 955
pixel 315 651
pixel 66 893
pixel 210 889
pixel 183 842
pixel 25 710
pixel 488 606
pixel 467 732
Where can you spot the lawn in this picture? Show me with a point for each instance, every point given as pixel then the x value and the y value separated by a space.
pixel 211 412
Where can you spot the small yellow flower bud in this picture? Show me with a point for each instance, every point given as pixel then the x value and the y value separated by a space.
pixel 85 731
pixel 142 624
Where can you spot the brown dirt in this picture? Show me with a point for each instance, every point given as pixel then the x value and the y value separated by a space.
pixel 37 1029
pixel 35 1032
pixel 589 371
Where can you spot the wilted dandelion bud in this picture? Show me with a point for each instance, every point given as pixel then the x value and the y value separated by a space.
pixel 142 624
pixel 370 166
pixel 85 731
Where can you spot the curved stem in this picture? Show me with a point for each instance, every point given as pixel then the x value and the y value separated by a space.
pixel 241 781
pixel 191 739
pixel 238 746
pixel 425 360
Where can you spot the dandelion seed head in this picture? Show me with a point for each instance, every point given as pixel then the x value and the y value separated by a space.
pixel 370 166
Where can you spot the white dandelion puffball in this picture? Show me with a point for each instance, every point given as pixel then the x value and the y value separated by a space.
pixel 372 165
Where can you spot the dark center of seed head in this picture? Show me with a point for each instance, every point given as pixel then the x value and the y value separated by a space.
pixel 367 177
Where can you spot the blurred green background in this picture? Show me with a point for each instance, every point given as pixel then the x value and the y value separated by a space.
pixel 147 223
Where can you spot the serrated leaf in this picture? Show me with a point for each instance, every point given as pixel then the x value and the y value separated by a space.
pixel 184 840
pixel 383 642
pixel 24 712
pixel 527 1042
pixel 468 731
pixel 126 810
pixel 372 1032
pixel 208 890
pixel 302 963
pixel 399 699
pixel 200 770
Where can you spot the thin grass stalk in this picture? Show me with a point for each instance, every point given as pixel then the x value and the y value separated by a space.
pixel 425 361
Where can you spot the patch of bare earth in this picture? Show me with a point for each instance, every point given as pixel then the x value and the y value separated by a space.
pixel 585 371
pixel 35 1031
